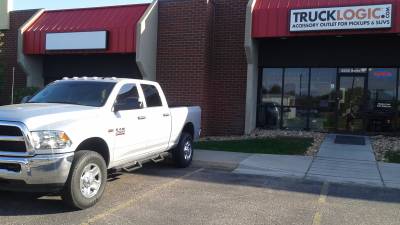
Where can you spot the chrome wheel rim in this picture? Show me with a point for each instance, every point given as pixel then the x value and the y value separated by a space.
pixel 187 150
pixel 90 181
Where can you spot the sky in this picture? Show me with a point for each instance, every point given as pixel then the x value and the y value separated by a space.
pixel 67 4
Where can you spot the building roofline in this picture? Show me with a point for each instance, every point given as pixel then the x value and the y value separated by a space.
pixel 99 7
pixel 81 8
pixel 25 10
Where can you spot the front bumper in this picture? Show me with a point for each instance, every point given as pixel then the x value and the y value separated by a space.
pixel 37 170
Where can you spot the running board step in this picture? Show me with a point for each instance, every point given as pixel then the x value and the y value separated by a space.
pixel 132 167
pixel 158 159
pixel 139 164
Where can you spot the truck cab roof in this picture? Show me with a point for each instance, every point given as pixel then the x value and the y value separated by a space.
pixel 103 79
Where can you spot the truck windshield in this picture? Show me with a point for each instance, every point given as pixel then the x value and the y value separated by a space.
pixel 87 93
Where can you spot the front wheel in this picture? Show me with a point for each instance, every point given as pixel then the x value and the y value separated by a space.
pixel 183 153
pixel 86 181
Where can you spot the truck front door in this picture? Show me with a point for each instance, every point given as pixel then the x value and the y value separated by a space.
pixel 130 139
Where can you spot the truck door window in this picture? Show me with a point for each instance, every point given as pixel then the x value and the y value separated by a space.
pixel 128 97
pixel 151 95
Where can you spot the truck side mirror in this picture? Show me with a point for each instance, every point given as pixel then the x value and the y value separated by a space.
pixel 25 99
pixel 117 107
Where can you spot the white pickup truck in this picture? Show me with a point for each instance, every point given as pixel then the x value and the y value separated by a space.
pixel 68 136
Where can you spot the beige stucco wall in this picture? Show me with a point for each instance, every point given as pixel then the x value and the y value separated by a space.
pixel 146 42
pixel 251 48
pixel 5 8
pixel 32 65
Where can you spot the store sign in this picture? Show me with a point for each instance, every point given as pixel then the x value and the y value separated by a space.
pixel 341 18
pixel 353 70
pixel 384 105
pixel 91 40
pixel 382 73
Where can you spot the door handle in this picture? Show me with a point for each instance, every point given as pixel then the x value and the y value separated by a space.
pixel 166 115
pixel 141 117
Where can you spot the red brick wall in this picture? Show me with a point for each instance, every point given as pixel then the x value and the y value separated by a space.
pixel 229 67
pixel 9 55
pixel 184 62
pixel 201 60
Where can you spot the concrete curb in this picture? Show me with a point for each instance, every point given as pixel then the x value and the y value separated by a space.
pixel 218 159
pixel 216 165
pixel 300 167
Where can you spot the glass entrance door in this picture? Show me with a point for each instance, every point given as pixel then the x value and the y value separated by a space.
pixel 351 103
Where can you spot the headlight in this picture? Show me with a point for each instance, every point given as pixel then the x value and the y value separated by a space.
pixel 50 140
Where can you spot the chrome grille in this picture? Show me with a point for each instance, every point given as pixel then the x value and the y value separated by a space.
pixel 12 146
pixel 12 138
pixel 10 131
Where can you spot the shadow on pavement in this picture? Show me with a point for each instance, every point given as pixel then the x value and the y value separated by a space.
pixel 20 203
pixel 350 191
pixel 17 204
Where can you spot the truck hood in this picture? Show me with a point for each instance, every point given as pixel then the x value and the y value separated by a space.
pixel 45 115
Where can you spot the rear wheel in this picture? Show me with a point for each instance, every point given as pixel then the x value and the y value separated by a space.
pixel 183 153
pixel 87 179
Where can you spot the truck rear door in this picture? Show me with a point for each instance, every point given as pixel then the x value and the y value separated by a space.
pixel 159 119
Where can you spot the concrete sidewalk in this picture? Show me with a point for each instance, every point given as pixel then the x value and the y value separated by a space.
pixel 345 163
pixel 337 163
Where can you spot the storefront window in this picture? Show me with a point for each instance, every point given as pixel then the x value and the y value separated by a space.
pixel 381 96
pixel 269 109
pixel 382 88
pixel 295 98
pixel 323 100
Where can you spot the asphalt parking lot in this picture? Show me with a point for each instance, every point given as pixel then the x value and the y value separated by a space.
pixel 161 194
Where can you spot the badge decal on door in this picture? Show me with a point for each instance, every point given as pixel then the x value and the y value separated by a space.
pixel 120 131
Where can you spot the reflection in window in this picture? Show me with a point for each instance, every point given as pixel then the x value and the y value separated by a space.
pixel 128 97
pixel 151 95
pixel 272 85
pixel 271 96
pixel 323 102
pixel 295 117
pixel 296 87
pixel 311 100
pixel 295 98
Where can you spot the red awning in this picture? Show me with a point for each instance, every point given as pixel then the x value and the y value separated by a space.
pixel 119 22
pixel 271 17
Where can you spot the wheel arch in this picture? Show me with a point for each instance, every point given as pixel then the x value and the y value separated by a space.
pixel 188 128
pixel 98 145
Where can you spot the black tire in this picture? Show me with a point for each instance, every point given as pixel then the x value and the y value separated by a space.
pixel 179 155
pixel 72 194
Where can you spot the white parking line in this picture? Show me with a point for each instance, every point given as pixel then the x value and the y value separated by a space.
pixel 324 193
pixel 321 201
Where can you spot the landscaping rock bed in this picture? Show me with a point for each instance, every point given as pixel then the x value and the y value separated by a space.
pixel 259 133
pixel 383 144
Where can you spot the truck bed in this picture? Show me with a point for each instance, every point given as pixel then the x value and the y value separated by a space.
pixel 181 116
